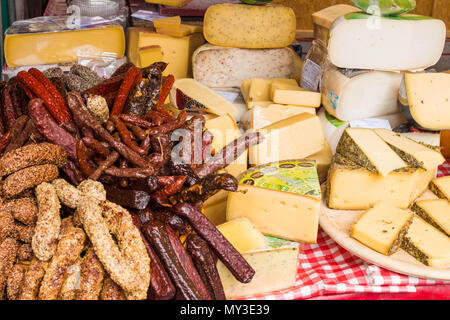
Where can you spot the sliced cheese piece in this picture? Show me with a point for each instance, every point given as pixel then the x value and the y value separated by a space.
pixel 172 3
pixel 258 89
pixel 429 99
pixel 185 91
pixel 222 67
pixel 259 117
pixel 361 41
pixel 323 160
pixel 294 95
pixel 327 16
pixel 289 214
pixel 176 52
pixel 367 149
pixel 224 130
pixel 347 187
pixel 293 138
pixel 436 212
pixel 243 235
pixel 354 94
pixel 28 49
pixel 427 244
pixel 429 138
pixel 149 55
pixel 249 27
pixel 167 22
pixel 415 154
pixel 441 187
pixel 275 269
pixel 382 227
pixel 262 104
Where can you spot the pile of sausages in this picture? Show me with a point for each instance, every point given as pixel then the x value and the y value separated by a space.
pixel 128 154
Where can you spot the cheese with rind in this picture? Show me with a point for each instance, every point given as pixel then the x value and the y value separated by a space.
pixel 441 187
pixel 436 212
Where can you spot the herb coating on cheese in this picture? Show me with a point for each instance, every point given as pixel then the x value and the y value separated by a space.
pixel 423 214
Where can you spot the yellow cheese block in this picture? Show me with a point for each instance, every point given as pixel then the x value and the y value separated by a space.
pixel 176 52
pixel 382 227
pixel 296 137
pixel 258 89
pixel 436 212
pixel 61 47
pixel 251 27
pixel 441 187
pixel 427 244
pixel 172 3
pixel 149 55
pixel 168 22
pixel 275 269
pixel 262 116
pixel 347 187
pixel 291 214
pixel 243 235
pixel 294 95
pixel 323 160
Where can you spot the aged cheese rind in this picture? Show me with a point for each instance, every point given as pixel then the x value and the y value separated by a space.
pixel 382 227
pixel 436 212
pixel 441 187
pixel 364 147
pixel 360 41
pixel 222 67
pixel 427 244
pixel 251 27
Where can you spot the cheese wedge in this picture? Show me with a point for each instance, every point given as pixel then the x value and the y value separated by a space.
pixel 281 199
pixel 415 154
pixel 216 212
pixel 382 228
pixel 348 187
pixel 251 27
pixel 243 235
pixel 260 116
pixel 367 149
pixel 323 160
pixel 275 269
pixel 294 95
pixel 296 137
pixel 149 55
pixel 436 212
pixel 185 91
pixel 428 98
pixel 427 244
pixel 258 89
pixel 441 187
pixel 362 41
pixel 358 94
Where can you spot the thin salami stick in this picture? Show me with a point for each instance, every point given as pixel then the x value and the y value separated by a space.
pixel 20 136
pixel 123 182
pixel 165 90
pixel 134 120
pixel 206 266
pixel 83 160
pixel 139 133
pixel 9 113
pixel 106 87
pixel 224 250
pixel 109 161
pixel 170 126
pixel 4 141
pixel 137 173
pixel 27 91
pixel 126 135
pixel 102 148
pixel 124 90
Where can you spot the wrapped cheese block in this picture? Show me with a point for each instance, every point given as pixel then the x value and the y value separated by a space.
pixel 358 94
pixel 222 67
pixel 252 27
pixel 406 42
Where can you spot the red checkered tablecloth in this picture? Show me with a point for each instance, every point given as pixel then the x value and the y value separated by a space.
pixel 326 268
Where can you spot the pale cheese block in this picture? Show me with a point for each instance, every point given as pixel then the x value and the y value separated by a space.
pixel 441 187
pixel 429 138
pixel 262 116
pixel 415 154
pixel 382 227
pixel 428 97
pixel 353 95
pixel 427 244
pixel 207 100
pixel 296 137
pixel 259 89
pixel 327 16
pixel 323 160
pixel 294 95
pixel 355 188
pixel 361 41
pixel 275 269
pixel 365 148
pixel 221 67
pixel 251 27
pixel 216 212
pixel 292 213
pixel 243 235
pixel 436 212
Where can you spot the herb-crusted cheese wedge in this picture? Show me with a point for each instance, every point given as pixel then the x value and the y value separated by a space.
pixel 415 154
pixel 427 244
pixel 367 149
pixel 382 228
pixel 441 187
pixel 436 212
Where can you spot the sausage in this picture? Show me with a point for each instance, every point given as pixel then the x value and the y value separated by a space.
pixel 25 252
pixel 91 279
pixel 128 82
pixel 6 224
pixel 224 250
pixel 19 139
pixel 71 283
pixel 48 224
pixel 22 209
pixel 32 280
pixel 135 199
pixel 32 155
pixel 9 112
pixel 136 173
pixel 4 141
pixel 8 252
pixel 108 162
pixel 14 281
pixel 23 233
pixel 111 290
pixel 106 87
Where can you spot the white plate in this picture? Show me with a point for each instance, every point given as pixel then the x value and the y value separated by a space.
pixel 337 223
